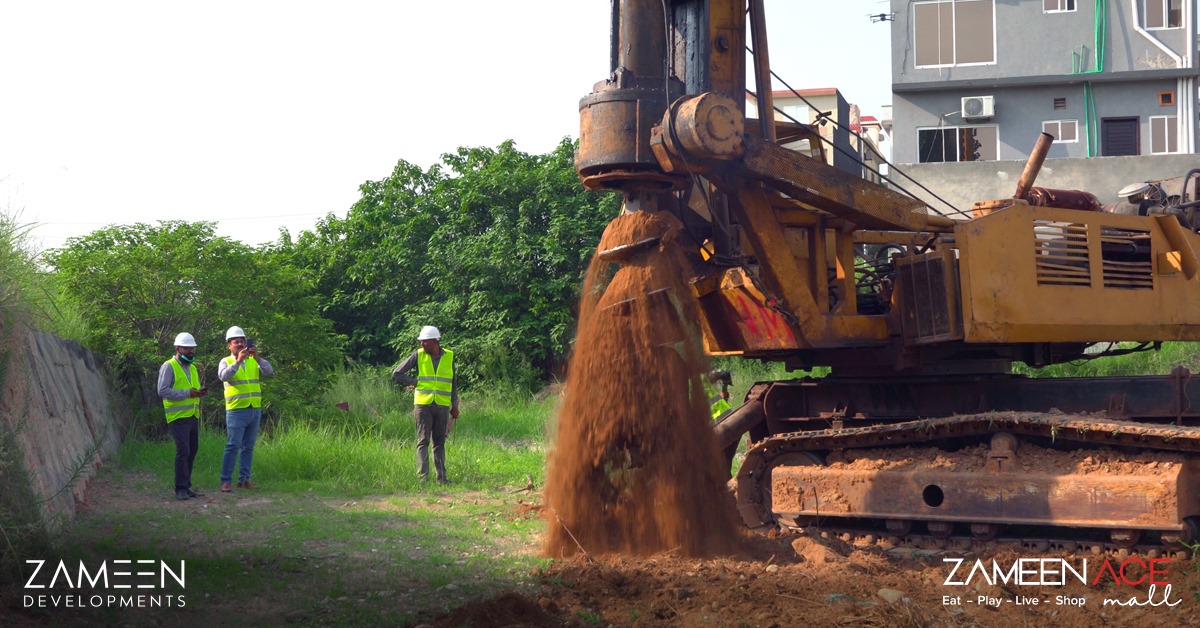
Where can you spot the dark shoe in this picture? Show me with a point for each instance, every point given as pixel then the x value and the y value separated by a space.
pixel 247 484
pixel 226 487
pixel 181 495
pixel 444 481
pixel 191 493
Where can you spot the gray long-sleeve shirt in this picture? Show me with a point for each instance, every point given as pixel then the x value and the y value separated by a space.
pixel 166 382
pixel 402 377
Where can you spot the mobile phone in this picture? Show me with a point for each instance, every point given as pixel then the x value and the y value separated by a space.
pixel 249 343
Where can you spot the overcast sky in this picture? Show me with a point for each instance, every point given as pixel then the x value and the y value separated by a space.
pixel 264 114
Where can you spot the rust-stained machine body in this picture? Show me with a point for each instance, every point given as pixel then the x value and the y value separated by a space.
pixel 920 341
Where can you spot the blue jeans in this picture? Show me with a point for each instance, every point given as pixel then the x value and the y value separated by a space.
pixel 242 427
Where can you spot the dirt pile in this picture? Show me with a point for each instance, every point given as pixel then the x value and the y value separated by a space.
pixel 635 468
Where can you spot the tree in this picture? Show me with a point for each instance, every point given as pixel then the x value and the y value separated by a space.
pixel 139 285
pixel 490 246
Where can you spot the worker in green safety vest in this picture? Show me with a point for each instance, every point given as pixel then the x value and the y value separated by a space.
pixel 242 372
pixel 716 385
pixel 180 389
pixel 435 399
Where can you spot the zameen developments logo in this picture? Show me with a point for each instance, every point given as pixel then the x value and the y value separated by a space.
pixel 1040 572
pixel 110 584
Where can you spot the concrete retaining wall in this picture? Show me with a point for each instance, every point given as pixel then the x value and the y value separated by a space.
pixel 59 398
pixel 964 183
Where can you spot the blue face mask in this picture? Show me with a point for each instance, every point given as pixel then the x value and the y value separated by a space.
pixel 183 357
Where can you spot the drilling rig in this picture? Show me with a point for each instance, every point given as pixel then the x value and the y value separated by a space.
pixel 918 316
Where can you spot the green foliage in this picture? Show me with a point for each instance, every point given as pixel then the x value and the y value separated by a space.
pixel 747 372
pixel 1159 362
pixel 26 291
pixel 23 533
pixel 139 285
pixel 490 246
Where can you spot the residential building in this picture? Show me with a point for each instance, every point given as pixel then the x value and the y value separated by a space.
pixel 978 80
pixel 828 113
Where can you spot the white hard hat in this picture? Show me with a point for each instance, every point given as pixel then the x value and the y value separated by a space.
pixel 234 332
pixel 429 332
pixel 185 340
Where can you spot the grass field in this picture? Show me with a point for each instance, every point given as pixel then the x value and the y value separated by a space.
pixel 341 532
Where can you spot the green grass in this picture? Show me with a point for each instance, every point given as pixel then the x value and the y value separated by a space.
pixel 340 532
pixel 27 291
pixel 1172 354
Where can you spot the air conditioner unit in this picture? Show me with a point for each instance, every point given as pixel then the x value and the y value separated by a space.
pixel 978 107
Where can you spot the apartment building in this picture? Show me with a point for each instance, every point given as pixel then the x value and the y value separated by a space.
pixel 978 80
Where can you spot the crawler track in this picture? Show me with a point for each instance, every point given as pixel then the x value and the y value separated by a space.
pixel 808 450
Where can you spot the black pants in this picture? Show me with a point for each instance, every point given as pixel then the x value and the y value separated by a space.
pixel 432 422
pixel 186 432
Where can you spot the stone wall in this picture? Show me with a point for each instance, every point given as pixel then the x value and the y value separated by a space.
pixel 59 399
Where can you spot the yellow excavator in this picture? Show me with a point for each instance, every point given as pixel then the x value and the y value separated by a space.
pixel 921 432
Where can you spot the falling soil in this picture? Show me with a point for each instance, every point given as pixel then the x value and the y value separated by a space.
pixel 635 468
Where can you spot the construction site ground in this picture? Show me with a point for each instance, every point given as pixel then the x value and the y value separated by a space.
pixel 798 579
pixel 780 579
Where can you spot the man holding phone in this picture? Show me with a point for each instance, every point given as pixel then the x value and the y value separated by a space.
pixel 180 389
pixel 241 371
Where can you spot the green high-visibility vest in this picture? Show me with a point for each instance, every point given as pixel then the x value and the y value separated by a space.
pixel 184 407
pixel 245 389
pixel 434 387
pixel 716 403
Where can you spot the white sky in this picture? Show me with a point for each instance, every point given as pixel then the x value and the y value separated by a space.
pixel 268 114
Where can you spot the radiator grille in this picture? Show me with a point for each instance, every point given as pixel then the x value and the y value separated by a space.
pixel 1061 253
pixel 1127 264
pixel 927 287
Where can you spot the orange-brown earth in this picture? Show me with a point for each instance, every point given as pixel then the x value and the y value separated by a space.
pixel 801 579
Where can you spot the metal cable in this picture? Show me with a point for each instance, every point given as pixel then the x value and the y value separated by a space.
pixel 954 209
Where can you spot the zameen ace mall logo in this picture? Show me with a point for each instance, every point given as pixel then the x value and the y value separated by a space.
pixel 1040 572
pixel 111 584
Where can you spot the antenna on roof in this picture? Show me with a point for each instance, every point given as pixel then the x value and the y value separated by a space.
pixel 882 17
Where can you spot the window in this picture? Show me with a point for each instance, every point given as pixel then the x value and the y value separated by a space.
pixel 1166 99
pixel 1063 130
pixel 1164 13
pixel 1058 6
pixel 800 113
pixel 1164 135
pixel 1060 103
pixel 961 143
pixel 954 32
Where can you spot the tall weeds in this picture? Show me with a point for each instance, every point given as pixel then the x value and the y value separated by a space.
pixel 22 530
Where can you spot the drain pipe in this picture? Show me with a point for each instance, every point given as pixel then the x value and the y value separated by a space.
pixel 1137 26
pixel 1183 87
pixel 1186 93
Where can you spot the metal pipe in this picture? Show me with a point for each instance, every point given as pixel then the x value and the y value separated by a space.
pixel 641 39
pixel 1033 166
pixel 738 422
pixel 762 71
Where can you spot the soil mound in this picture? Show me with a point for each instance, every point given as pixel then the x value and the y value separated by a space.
pixel 508 609
pixel 635 467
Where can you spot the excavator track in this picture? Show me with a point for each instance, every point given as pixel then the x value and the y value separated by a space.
pixel 1038 475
